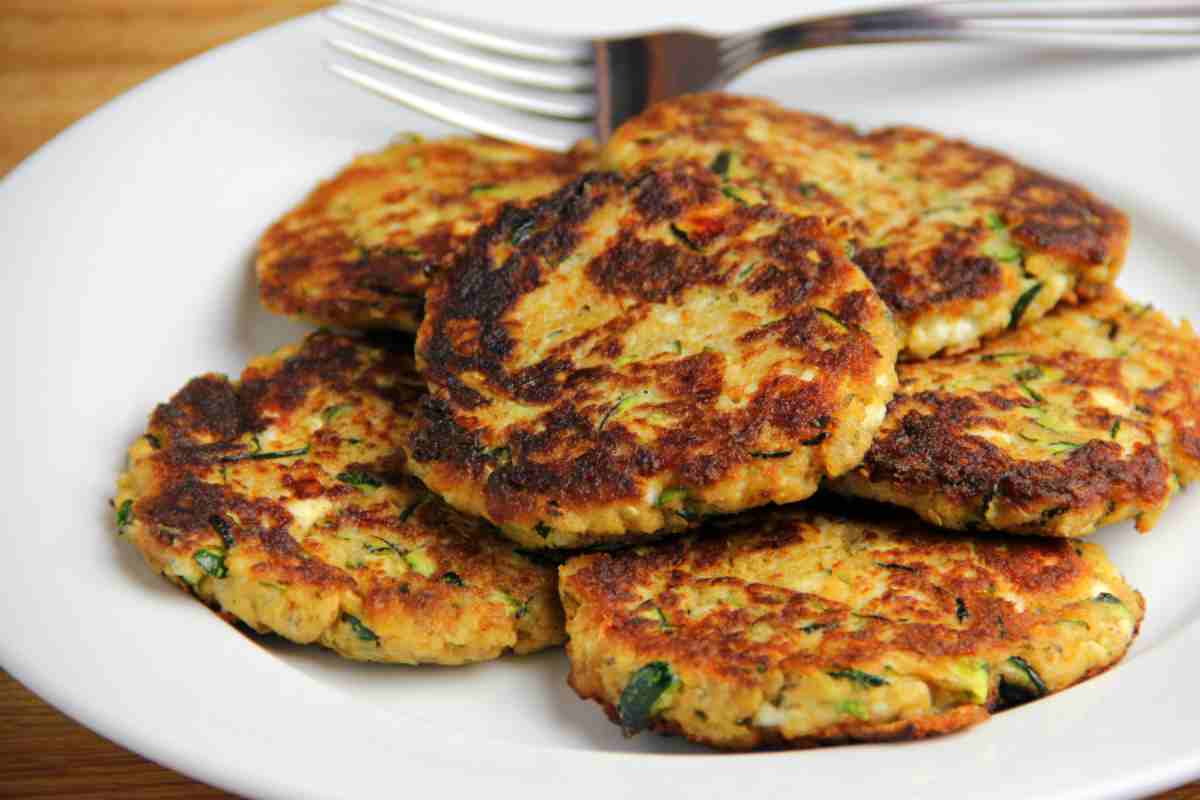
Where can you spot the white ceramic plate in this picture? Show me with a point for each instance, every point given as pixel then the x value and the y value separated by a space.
pixel 128 242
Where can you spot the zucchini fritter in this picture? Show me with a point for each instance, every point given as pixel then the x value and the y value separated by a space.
pixel 281 499
pixel 360 251
pixel 799 629
pixel 1084 418
pixel 961 242
pixel 626 355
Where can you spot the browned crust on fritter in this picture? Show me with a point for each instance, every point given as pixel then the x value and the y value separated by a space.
pixel 985 598
pixel 197 481
pixel 926 264
pixel 931 445
pixel 570 454
pixel 312 262
pixel 952 721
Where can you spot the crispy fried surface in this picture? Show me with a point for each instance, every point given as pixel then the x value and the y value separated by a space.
pixel 619 358
pixel 796 628
pixel 952 236
pixel 282 500
pixel 362 248
pixel 1084 418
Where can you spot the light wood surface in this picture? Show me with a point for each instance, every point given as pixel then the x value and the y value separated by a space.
pixel 58 61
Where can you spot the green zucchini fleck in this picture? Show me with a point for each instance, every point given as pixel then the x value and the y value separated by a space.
pixel 1033 394
pixel 680 234
pixel 124 516
pixel 1064 447
pixel 1000 356
pixel 212 562
pixel 1106 597
pixel 153 440
pixel 223 529
pixel 333 412
pixel 960 609
pixel 421 563
pixel 522 230
pixel 616 408
pixel 1022 304
pixel 359 478
pixel 542 529
pixel 408 512
pixel 853 708
pixel 863 679
pixel 815 440
pixel 733 195
pixel 361 631
pixel 670 495
pixel 1116 426
pixel 808 188
pixel 645 688
pixel 261 456
pixel 720 164
pixel 1019 682
pixel 453 579
pixel 484 187
pixel 834 318
pixel 1028 374
pixel 770 453
pixel 994 222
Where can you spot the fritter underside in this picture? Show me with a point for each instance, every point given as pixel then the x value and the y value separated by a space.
pixel 800 629
pixel 1081 419
pixel 282 500
pixel 361 250
pixel 628 354
pixel 961 242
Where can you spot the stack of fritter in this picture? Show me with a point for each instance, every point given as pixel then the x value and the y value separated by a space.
pixel 626 361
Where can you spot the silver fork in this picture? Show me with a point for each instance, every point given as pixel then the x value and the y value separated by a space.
pixel 557 90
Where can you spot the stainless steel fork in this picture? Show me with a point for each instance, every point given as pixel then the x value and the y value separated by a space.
pixel 558 90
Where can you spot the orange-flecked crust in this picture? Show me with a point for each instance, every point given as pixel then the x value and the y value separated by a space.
pixel 798 628
pixel 362 248
pixel 951 235
pixel 628 354
pixel 1082 419
pixel 282 500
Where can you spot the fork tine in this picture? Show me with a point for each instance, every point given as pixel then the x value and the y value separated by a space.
pixel 560 77
pixel 526 131
pixel 557 104
pixel 541 48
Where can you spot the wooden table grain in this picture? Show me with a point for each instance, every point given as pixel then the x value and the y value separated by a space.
pixel 59 60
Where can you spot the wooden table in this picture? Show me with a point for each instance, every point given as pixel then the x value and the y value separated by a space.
pixel 60 59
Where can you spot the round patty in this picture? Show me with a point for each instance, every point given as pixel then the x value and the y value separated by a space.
pixel 961 242
pixel 362 248
pixel 630 354
pixel 281 500
pixel 1084 418
pixel 800 629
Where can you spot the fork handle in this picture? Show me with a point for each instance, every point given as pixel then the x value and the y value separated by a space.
pixel 1093 24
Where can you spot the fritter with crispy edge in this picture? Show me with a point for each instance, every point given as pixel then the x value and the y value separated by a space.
pixel 361 250
pixel 961 242
pixel 1088 416
pixel 281 500
pixel 795 628
pixel 629 354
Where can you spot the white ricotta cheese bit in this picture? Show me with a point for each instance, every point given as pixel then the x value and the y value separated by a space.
pixel 308 512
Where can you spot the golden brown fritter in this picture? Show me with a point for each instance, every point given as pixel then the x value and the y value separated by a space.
pixel 1083 418
pixel 629 354
pixel 794 628
pixel 961 242
pixel 281 499
pixel 362 248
